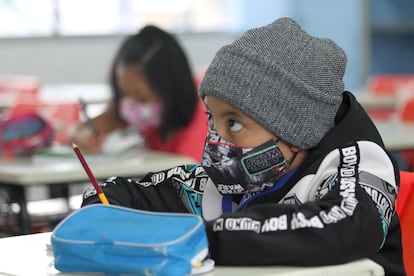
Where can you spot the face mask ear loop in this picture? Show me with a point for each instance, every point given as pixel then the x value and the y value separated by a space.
pixel 295 153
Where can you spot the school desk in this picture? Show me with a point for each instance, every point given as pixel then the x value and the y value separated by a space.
pixel 92 93
pixel 372 102
pixel 29 255
pixel 18 174
pixel 396 134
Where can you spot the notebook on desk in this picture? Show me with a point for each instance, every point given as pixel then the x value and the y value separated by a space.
pixel 118 144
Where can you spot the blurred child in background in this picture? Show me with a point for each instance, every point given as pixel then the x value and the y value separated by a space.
pixel 154 91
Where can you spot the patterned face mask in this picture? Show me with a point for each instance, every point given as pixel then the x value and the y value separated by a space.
pixel 142 116
pixel 236 170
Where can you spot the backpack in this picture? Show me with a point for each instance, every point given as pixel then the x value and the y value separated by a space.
pixel 24 133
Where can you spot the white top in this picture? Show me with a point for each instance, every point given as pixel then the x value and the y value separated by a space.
pixel 396 134
pixel 69 169
pixel 30 255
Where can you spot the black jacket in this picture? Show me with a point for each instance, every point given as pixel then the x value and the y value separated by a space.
pixel 338 206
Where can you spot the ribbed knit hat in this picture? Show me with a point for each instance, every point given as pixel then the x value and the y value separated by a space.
pixel 286 80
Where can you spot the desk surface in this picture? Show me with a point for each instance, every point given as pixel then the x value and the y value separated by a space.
pixel 53 171
pixel 90 92
pixel 93 93
pixel 27 256
pixel 396 135
pixel 376 102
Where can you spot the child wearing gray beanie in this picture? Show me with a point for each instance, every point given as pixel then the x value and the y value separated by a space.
pixel 283 78
pixel 294 172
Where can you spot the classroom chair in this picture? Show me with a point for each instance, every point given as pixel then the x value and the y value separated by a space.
pixel 14 88
pixel 388 84
pixel 20 84
pixel 405 111
pixel 405 114
pixel 391 86
pixel 405 210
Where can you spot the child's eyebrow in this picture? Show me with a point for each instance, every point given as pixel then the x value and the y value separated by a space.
pixel 229 113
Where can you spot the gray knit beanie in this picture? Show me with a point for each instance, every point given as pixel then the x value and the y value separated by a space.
pixel 286 80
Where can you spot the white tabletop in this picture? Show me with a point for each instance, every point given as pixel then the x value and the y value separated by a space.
pixel 396 135
pixel 369 101
pixel 29 171
pixel 90 92
pixel 27 255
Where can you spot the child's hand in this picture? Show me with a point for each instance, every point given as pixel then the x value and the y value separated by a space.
pixel 86 138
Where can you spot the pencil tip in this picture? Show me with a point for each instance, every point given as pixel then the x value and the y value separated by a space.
pixel 74 145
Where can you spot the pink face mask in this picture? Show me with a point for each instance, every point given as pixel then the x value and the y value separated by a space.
pixel 143 116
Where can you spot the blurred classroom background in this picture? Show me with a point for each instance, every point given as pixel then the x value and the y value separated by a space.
pixel 73 41
pixel 63 50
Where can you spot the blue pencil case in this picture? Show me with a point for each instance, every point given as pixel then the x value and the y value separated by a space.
pixel 117 240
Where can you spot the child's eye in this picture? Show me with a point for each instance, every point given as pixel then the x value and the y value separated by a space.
pixel 235 126
pixel 210 120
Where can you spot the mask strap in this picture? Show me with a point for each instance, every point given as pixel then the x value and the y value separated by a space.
pixel 295 153
pixel 276 186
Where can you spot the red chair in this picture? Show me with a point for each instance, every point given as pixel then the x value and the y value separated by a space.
pixel 19 84
pixel 405 114
pixel 14 88
pixel 405 210
pixel 388 84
